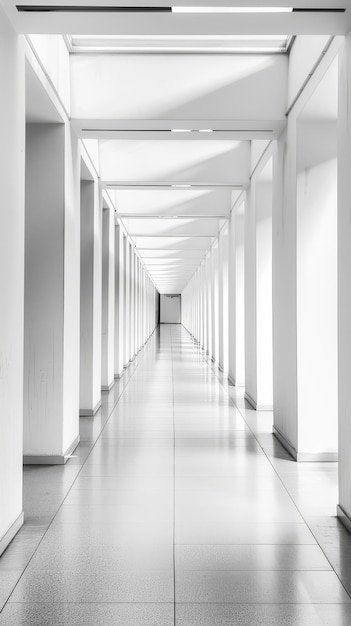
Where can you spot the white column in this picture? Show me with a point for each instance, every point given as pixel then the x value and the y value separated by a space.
pixel 258 297
pixel 239 252
pixel 304 282
pixel 50 431
pixel 90 293
pixel 344 282
pixel 126 308
pixel 264 323
pixel 203 304
pixel 131 302
pixel 108 298
pixel 223 288
pixel 236 295
pixel 285 391
pixel 119 301
pixel 12 150
pixel 208 296
pixel 214 303
pixel 232 301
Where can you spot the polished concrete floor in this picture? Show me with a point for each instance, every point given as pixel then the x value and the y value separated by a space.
pixel 178 507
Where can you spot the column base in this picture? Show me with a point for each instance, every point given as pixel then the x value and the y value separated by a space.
pixel 231 380
pixel 50 459
pixel 11 533
pixel 107 387
pixel 343 517
pixel 304 457
pixel 90 412
pixel 117 376
pixel 257 407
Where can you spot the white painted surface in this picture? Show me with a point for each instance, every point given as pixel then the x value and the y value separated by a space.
pixel 90 306
pixel 239 328
pixel 284 286
pixel 317 308
pixel 119 286
pixel 344 277
pixel 214 303
pixel 108 297
pixel 44 290
pixel 126 295
pixel 303 56
pixel 12 149
pixel 250 296
pixel 71 305
pixel 54 56
pixel 263 199
pixel 170 309
pixel 178 86
pixel 223 286
pixel 232 299
pixel 177 160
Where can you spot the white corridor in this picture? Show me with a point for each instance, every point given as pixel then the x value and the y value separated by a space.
pixel 171 511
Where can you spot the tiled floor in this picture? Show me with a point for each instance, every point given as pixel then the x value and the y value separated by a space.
pixel 178 508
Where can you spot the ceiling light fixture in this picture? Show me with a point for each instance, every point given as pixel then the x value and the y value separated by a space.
pixel 181 186
pixel 180 130
pixel 208 9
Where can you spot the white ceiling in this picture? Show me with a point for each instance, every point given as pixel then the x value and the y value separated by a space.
pixel 173 191
pixel 168 24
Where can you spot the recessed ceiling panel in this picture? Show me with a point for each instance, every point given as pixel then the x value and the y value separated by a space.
pixel 175 162
pixel 198 227
pixel 171 202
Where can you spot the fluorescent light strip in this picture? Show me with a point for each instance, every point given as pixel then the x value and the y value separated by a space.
pixel 226 10
pixel 64 8
pixel 208 9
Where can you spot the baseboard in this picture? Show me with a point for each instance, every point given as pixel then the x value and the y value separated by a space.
pixel 250 400
pixel 257 407
pixel 344 518
pixel 305 457
pixel 107 387
pixel 285 443
pixel 90 412
pixel 317 457
pixel 11 533
pixel 51 459
pixel 118 376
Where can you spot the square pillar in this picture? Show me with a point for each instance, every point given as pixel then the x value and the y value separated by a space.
pixel 304 276
pixel 12 184
pixel 223 288
pixel 90 293
pixel 126 301
pixel 214 303
pixel 119 302
pixel 344 281
pixel 51 426
pixel 108 299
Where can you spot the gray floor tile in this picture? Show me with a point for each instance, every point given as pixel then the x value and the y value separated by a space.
pixel 263 615
pixel 92 614
pixel 256 557
pixel 103 586
pixel 259 587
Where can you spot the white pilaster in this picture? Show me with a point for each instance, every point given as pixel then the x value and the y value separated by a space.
pixel 12 150
pixel 119 302
pixel 108 298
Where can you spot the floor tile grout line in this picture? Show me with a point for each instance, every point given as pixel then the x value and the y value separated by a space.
pixel 142 355
pixel 174 490
pixel 212 367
